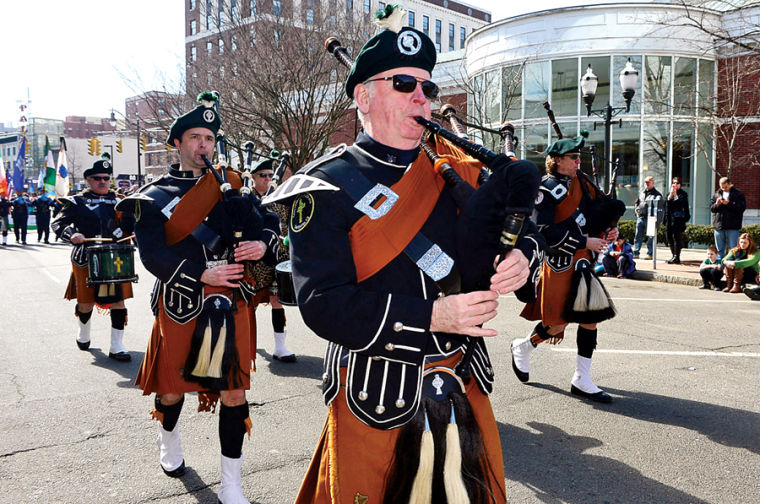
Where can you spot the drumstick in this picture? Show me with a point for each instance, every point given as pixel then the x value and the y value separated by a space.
pixel 97 239
pixel 126 238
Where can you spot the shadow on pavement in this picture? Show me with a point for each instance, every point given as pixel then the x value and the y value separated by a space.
pixel 552 464
pixel 724 425
pixel 198 488
pixel 127 370
pixel 306 367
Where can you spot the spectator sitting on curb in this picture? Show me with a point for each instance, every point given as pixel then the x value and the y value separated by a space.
pixel 711 270
pixel 618 259
pixel 741 264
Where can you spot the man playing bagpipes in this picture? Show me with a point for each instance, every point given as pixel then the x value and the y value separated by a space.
pixel 84 220
pixel 194 238
pixel 377 239
pixel 578 221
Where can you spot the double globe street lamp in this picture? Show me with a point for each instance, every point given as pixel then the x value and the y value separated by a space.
pixel 628 79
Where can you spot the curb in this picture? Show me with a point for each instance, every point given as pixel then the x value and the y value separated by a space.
pixel 666 278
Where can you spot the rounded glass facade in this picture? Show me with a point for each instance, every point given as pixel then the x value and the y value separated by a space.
pixel 666 133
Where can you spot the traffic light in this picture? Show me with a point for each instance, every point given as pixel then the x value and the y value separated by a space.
pixel 142 142
pixel 96 144
pixel 91 146
pixel 118 145
pixel 28 148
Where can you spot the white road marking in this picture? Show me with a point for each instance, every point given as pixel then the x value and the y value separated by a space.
pixel 666 352
pixel 681 300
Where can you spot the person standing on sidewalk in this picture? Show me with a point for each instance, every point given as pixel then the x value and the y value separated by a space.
pixel 677 214
pixel 727 206
pixel 647 197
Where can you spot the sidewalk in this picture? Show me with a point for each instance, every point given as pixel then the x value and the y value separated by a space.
pixel 686 273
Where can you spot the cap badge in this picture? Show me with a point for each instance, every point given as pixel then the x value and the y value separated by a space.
pixel 409 43
pixel 209 116
pixel 106 164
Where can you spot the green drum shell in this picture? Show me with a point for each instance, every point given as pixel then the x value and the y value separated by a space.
pixel 113 263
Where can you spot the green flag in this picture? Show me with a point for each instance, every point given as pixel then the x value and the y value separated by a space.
pixel 49 167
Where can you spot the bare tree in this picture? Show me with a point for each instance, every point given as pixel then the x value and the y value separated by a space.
pixel 278 86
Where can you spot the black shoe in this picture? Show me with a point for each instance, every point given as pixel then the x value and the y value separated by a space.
pixel 704 286
pixel 121 356
pixel 600 397
pixel 178 472
pixel 286 358
pixel 521 375
pixel 717 288
pixel 752 292
pixel 672 260
pixel 83 346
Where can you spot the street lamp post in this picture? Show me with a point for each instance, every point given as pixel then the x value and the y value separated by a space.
pixel 628 79
pixel 112 122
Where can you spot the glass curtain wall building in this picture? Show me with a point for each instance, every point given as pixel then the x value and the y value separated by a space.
pixel 666 132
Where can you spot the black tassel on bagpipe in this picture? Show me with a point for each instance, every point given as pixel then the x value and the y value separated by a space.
pixel 213 355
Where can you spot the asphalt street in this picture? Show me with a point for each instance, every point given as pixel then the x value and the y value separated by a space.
pixel 681 363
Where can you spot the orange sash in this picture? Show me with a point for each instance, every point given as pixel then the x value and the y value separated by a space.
pixel 375 243
pixel 195 205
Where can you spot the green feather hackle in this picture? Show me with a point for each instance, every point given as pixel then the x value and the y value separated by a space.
pixel 386 11
pixel 208 96
pixel 274 154
pixel 584 133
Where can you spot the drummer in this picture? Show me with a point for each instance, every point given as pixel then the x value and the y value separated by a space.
pixel 83 219
pixel 262 177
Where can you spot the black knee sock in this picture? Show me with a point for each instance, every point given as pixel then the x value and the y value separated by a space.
pixel 539 334
pixel 83 317
pixel 171 413
pixel 278 319
pixel 586 342
pixel 232 429
pixel 118 318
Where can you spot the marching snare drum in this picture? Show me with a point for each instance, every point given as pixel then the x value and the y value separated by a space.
pixel 114 263
pixel 286 292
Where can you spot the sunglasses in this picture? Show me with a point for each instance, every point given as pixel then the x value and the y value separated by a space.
pixel 407 84
pixel 101 179
pixel 265 175
pixel 573 156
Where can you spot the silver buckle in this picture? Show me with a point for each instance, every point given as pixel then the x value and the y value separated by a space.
pixel 364 205
pixel 213 264
pixel 435 263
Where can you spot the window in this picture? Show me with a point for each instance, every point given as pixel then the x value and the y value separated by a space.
pixel 233 10
pixel 451 37
pixel 221 13
pixel 426 25
pixel 367 6
pixel 193 53
pixel 209 14
pixel 565 87
pixel 277 8
pixel 193 27
pixel 234 43
pixel 221 46
pixel 310 16
pixel 252 7
pixel 536 82
pixel 411 18
pixel 657 87
pixel 192 4
pixel 438 35
pixel 209 47
pixel 462 36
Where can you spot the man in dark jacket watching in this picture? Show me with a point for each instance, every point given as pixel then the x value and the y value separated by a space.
pixel 727 206
pixel 647 197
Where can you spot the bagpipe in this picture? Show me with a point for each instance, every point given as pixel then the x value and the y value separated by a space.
pixel 588 301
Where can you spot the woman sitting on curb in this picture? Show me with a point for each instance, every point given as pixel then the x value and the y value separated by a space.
pixel 741 264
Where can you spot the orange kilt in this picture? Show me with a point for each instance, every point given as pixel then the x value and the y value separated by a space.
pixel 553 289
pixel 169 346
pixel 77 288
pixel 351 458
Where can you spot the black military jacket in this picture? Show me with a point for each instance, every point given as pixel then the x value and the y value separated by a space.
pixel 377 328
pixel 178 268
pixel 92 215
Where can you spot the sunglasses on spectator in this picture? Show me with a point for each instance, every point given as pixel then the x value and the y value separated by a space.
pixel 573 156
pixel 265 175
pixel 101 179
pixel 407 84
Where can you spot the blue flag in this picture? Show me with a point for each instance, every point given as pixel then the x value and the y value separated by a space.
pixel 18 168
